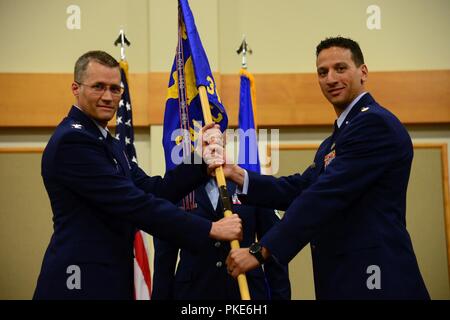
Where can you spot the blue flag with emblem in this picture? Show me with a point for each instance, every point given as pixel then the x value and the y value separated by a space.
pixel 248 144
pixel 183 117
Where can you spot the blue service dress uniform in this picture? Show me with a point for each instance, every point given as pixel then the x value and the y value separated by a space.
pixel 202 275
pixel 350 205
pixel 98 199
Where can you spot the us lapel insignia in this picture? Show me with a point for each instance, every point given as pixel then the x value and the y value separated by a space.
pixel 235 199
pixel 77 126
pixel 328 158
pixel 364 109
pixel 312 165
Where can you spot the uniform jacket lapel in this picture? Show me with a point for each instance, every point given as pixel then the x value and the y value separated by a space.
pixel 111 145
pixel 330 144
pixel 202 199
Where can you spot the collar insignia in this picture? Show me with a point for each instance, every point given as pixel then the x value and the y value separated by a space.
pixel 235 199
pixel 77 126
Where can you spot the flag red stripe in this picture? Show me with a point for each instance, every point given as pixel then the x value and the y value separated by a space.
pixel 142 258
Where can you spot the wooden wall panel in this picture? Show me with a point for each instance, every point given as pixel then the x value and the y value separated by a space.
pixel 157 93
pixel 283 99
pixel 416 97
pixel 42 99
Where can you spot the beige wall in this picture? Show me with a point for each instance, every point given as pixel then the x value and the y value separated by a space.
pixel 39 41
pixel 426 220
pixel 25 224
pixel 283 34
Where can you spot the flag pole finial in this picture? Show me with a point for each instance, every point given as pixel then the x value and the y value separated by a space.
pixel 244 48
pixel 122 41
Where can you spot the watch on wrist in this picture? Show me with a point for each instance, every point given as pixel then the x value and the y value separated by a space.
pixel 255 250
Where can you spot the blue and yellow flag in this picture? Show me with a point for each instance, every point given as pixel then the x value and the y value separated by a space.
pixel 248 143
pixel 183 117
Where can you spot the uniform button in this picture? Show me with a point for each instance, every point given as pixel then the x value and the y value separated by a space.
pixel 217 244
pixel 218 264
pixel 313 247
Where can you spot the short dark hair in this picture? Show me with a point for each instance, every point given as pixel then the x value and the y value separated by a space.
pixel 98 56
pixel 342 42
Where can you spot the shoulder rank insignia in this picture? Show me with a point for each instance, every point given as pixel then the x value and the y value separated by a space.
pixel 364 109
pixel 77 126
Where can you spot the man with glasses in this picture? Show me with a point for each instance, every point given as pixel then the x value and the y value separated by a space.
pixel 99 198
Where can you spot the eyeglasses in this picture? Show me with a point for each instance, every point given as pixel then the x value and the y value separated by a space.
pixel 100 88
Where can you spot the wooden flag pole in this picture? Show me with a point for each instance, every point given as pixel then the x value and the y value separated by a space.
pixel 220 178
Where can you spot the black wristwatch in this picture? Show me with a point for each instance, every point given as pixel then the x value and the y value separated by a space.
pixel 255 250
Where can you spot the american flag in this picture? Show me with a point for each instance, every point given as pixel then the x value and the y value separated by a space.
pixel 124 121
pixel 125 135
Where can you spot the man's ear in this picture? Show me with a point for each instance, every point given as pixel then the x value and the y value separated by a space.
pixel 75 89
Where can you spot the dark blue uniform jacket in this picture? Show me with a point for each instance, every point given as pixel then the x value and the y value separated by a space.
pixel 203 274
pixel 99 199
pixel 350 205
